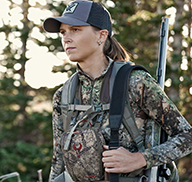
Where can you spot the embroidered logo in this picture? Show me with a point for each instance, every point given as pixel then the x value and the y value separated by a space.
pixel 71 8
pixel 77 149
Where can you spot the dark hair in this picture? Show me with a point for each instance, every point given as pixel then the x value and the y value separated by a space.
pixel 115 50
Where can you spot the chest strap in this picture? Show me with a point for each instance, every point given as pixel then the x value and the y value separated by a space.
pixel 91 108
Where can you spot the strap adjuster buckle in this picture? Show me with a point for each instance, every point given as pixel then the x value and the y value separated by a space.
pixel 97 108
pixel 113 145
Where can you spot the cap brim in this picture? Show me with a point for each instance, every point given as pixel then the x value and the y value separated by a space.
pixel 52 25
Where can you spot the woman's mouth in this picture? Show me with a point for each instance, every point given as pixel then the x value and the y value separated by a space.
pixel 68 49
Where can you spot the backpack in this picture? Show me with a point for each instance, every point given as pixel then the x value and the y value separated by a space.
pixel 82 146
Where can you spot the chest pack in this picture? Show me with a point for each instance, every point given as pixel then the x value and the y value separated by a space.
pixel 82 144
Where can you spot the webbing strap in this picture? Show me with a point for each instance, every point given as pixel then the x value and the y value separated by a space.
pixel 131 126
pixel 67 143
pixel 78 107
pixel 117 106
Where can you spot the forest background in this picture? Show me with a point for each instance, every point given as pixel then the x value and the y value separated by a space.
pixel 33 66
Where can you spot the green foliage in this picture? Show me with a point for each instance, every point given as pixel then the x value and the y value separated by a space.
pixel 26 159
pixel 27 146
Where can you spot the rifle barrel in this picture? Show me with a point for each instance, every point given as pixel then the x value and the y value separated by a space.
pixel 163 52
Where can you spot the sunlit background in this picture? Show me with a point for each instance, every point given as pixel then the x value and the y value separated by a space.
pixel 38 71
pixel 40 60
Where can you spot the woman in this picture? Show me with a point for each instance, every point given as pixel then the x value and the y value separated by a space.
pixel 87 39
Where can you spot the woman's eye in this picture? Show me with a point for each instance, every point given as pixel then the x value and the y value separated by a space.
pixel 75 29
pixel 62 32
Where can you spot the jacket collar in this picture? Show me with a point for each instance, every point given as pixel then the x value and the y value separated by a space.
pixel 81 72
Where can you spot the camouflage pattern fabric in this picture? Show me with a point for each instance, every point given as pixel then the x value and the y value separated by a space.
pixel 84 158
pixel 148 102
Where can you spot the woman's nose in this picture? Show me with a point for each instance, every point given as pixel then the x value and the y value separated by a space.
pixel 67 38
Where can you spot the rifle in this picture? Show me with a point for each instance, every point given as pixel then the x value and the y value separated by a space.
pixel 156 174
pixel 163 172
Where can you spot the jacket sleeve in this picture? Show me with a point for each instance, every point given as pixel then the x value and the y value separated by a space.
pixel 149 96
pixel 57 166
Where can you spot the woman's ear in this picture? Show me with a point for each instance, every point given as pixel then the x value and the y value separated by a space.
pixel 103 35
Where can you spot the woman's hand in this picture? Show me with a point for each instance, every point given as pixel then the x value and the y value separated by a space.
pixel 121 160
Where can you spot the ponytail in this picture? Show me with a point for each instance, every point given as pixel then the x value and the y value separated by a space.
pixel 115 51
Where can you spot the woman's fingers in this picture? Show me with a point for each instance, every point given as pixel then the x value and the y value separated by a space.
pixel 121 160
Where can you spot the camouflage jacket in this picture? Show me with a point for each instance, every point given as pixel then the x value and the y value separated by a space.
pixel 148 102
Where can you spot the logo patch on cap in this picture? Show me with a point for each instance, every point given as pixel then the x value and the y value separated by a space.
pixel 71 7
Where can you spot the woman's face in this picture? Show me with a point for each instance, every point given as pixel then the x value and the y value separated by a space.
pixel 80 42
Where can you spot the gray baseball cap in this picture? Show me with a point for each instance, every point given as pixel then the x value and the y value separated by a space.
pixel 81 13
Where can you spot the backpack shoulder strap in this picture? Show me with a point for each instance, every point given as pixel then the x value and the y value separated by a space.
pixel 67 97
pixel 117 65
pixel 118 99
pixel 107 85
pixel 117 108
pixel 69 89
pixel 129 121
